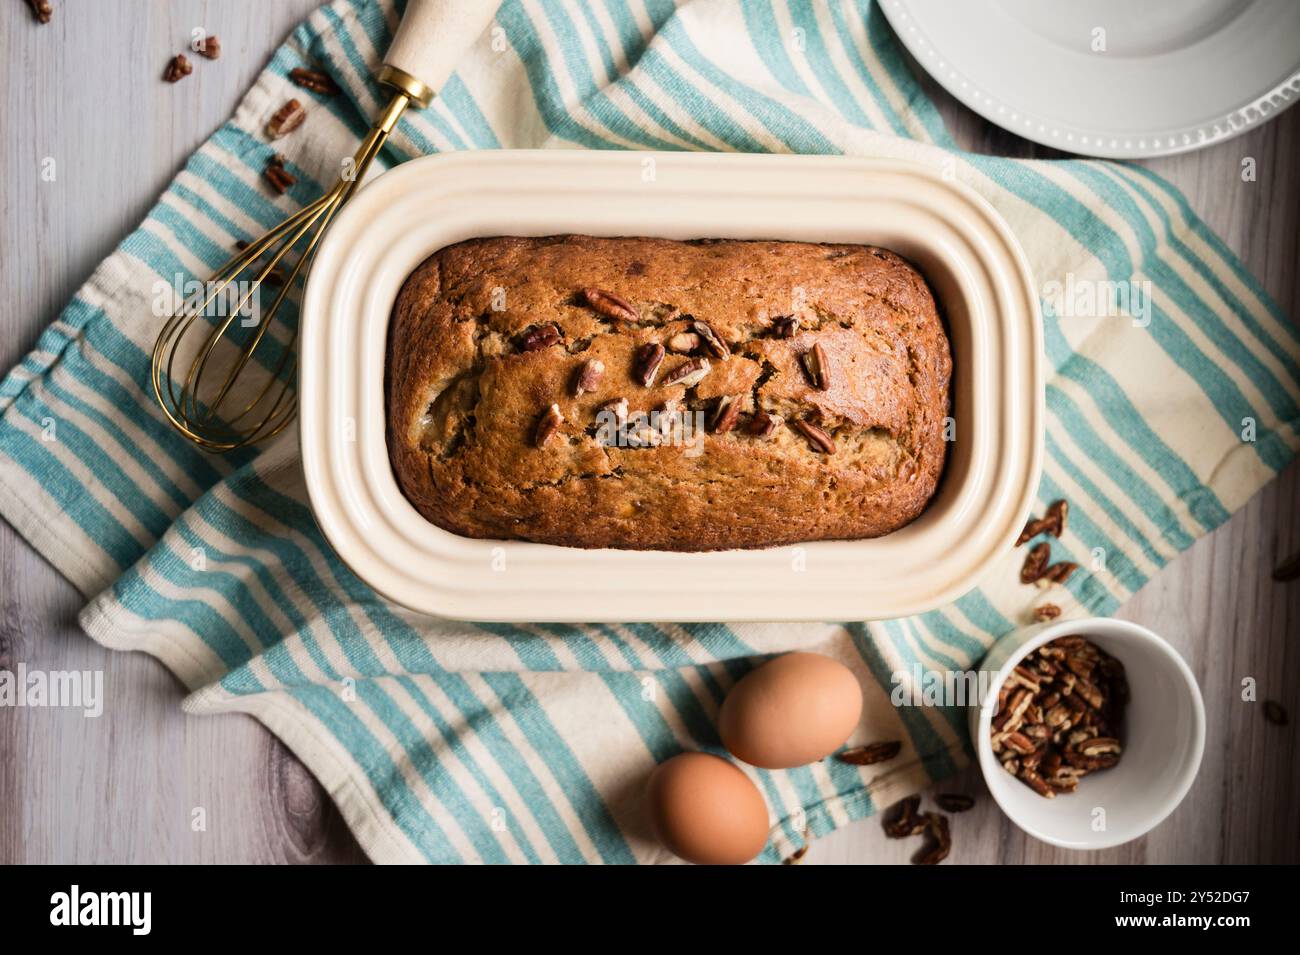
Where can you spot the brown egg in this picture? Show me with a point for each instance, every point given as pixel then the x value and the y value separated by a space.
pixel 791 711
pixel 705 810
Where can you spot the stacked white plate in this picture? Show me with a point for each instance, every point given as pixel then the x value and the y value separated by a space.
pixel 1113 78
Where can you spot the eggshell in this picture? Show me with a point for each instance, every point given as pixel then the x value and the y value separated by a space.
pixel 705 810
pixel 793 710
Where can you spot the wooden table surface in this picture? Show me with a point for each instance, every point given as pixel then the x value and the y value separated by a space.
pixel 85 90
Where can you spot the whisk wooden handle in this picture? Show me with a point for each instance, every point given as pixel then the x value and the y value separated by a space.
pixel 433 35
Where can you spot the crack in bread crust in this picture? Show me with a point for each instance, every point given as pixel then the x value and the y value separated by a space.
pixel 466 382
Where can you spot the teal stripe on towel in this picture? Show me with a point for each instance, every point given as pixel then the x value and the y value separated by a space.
pixel 415 657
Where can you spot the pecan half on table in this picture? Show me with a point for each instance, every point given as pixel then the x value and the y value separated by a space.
pixel 178 67
pixel 41 10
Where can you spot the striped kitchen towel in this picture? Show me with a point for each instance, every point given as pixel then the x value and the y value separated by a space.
pixel 1172 397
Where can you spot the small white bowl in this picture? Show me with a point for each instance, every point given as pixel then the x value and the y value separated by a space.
pixel 1163 735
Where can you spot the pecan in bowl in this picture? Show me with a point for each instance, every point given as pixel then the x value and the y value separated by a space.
pixel 1088 733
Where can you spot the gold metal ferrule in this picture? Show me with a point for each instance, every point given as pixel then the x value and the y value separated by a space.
pixel 417 91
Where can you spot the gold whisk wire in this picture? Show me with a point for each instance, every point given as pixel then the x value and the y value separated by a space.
pixel 196 411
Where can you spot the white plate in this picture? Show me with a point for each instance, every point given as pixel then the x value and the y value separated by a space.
pixel 979 276
pixel 1175 74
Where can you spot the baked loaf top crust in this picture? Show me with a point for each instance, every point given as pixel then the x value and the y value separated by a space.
pixel 815 410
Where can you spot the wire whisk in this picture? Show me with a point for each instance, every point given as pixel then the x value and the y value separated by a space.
pixel 222 378
pixel 201 400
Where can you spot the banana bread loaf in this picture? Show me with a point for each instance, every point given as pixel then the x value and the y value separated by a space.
pixel 655 394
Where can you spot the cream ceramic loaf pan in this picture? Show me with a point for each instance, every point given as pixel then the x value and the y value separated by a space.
pixel 967 254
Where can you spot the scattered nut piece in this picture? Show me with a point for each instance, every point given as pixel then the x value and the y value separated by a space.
pixel 643 435
pixel 1035 563
pixel 817 438
pixel 954 802
pixel 725 414
pixel 785 326
pixel 209 48
pixel 1058 573
pixel 547 425
pixel 797 856
pixel 617 407
pixel 1036 783
pixel 712 341
pixel 178 67
pixel 1021 675
pixel 870 754
pixel 1019 743
pixel 683 343
pixel 277 176
pixel 1288 570
pixel 1046 612
pixel 314 80
pixel 1099 746
pixel 588 376
pixel 1058 513
pixel 286 119
pixel 814 366
pixel 668 417
pixel 646 364
pixel 940 840
pixel 689 373
pixel 764 424
pixel 1038 568
pixel 904 820
pixel 1275 713
pixel 41 9
pixel 540 336
pixel 610 305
